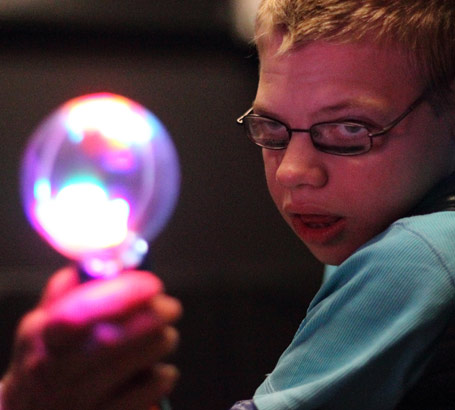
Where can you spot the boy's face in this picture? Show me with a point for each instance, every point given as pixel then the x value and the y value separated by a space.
pixel 335 204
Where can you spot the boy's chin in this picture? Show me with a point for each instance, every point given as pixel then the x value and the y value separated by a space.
pixel 330 255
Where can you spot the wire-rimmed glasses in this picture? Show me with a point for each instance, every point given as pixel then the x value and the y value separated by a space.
pixel 335 137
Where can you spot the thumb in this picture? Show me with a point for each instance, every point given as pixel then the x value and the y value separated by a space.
pixel 59 284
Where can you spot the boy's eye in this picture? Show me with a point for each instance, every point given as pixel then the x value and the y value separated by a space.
pixel 339 131
pixel 348 130
pixel 352 128
pixel 271 126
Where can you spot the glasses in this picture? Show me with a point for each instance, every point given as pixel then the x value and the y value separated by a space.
pixel 337 138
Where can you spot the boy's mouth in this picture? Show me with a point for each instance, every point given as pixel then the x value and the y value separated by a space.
pixel 318 229
pixel 319 221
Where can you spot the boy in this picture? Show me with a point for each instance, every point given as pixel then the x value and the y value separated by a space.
pixel 354 113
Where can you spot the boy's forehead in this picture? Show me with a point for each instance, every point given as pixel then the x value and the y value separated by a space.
pixel 358 53
pixel 325 76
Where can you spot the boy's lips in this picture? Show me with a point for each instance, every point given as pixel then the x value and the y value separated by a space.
pixel 317 228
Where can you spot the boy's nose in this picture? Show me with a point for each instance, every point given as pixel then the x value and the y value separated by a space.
pixel 302 165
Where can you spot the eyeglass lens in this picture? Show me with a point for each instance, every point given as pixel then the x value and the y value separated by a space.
pixel 335 138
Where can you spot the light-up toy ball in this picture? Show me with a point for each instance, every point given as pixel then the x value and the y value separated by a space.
pixel 100 178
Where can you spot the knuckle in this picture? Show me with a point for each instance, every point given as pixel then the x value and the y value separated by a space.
pixel 30 325
pixel 35 366
pixel 29 333
pixel 172 336
pixel 169 341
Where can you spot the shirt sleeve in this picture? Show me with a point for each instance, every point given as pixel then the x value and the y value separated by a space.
pixel 369 331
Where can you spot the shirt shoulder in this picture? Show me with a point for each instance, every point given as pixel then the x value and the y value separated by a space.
pixel 433 232
pixel 368 331
pixel 412 251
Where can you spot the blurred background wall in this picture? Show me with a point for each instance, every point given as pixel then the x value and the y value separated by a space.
pixel 243 278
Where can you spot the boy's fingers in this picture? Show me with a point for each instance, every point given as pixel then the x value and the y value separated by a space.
pixel 109 313
pixel 100 300
pixel 146 390
pixel 81 332
pixel 101 367
pixel 167 308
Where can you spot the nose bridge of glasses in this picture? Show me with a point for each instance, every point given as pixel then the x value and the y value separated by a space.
pixel 304 130
pixel 292 131
pixel 301 164
pixel 300 143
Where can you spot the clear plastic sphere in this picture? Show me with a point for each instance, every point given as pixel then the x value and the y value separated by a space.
pixel 100 178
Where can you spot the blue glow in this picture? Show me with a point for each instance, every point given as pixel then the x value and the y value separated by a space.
pixel 42 190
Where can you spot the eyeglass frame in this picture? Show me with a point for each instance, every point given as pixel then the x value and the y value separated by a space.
pixel 371 135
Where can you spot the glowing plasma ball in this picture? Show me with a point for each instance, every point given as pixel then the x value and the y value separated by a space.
pixel 100 178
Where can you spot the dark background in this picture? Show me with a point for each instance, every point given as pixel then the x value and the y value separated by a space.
pixel 243 278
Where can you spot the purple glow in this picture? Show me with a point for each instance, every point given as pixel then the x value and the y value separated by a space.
pixel 100 177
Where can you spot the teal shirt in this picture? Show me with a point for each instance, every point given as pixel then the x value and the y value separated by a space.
pixel 371 328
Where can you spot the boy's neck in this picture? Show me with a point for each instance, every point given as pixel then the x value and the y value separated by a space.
pixel 440 198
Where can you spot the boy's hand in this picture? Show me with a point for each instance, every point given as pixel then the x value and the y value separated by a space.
pixel 99 346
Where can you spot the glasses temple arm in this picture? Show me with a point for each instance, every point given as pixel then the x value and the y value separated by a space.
pixel 240 119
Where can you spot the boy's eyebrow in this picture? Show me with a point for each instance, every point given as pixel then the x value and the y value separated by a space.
pixel 372 105
pixel 364 103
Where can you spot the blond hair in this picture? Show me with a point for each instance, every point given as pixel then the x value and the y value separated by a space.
pixel 423 28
